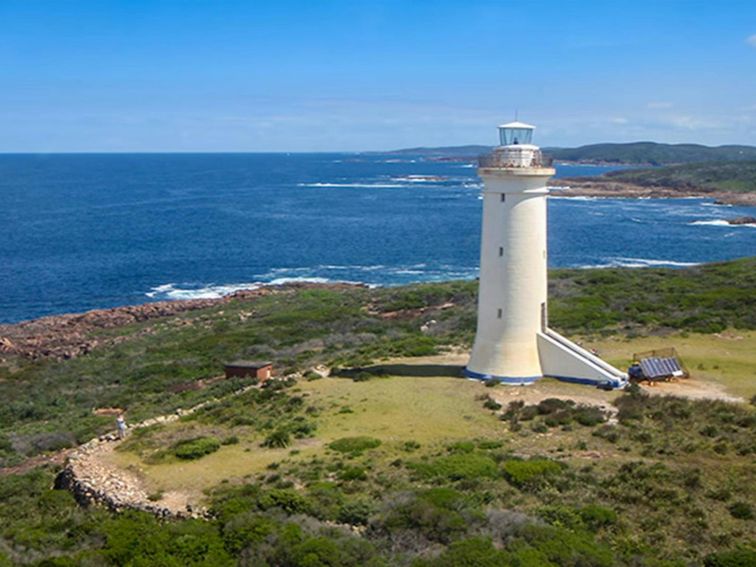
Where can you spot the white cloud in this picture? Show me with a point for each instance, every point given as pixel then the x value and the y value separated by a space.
pixel 751 40
pixel 619 120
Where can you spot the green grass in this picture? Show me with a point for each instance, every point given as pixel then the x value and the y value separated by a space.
pixel 384 410
pixel 726 360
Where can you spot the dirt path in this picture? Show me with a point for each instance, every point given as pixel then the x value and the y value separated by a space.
pixel 93 477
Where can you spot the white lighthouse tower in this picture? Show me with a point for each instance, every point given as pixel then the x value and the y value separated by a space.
pixel 513 343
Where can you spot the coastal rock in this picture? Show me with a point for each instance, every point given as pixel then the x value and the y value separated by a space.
pixel 742 220
pixel 63 337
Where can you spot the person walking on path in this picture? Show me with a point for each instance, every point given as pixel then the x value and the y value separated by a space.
pixel 121 426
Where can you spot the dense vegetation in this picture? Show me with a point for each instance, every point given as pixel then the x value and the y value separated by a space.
pixel 655 482
pixel 737 176
pixel 48 405
pixel 653 153
pixel 664 486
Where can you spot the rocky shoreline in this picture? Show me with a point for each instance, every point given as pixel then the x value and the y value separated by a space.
pixel 596 187
pixel 62 337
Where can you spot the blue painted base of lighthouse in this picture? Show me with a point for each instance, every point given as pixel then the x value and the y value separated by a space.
pixel 527 380
pixel 610 384
pixel 514 380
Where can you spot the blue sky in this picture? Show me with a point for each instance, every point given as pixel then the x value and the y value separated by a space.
pixel 218 75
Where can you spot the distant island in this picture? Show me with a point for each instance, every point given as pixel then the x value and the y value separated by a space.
pixel 633 153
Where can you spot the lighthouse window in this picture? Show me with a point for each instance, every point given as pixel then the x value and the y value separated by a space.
pixel 503 197
pixel 501 250
pixel 499 314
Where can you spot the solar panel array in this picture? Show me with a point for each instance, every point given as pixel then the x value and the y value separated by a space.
pixel 660 367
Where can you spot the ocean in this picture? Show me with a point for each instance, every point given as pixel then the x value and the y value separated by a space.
pixel 85 231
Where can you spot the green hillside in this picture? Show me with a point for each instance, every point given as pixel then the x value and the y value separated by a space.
pixel 736 176
pixel 652 153
pixel 641 153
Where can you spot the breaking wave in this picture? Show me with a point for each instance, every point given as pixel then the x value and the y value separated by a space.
pixel 372 275
pixel 352 185
pixel 173 291
pixel 619 262
pixel 719 222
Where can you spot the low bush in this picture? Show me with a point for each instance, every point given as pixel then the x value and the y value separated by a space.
pixel 353 473
pixel 355 512
pixel 741 510
pixel 740 557
pixel 551 405
pixel 531 474
pixel 354 445
pixel 279 439
pixel 491 404
pixel 196 448
pixel 596 517
pixel 458 466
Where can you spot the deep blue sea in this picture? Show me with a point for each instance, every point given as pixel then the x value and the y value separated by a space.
pixel 79 232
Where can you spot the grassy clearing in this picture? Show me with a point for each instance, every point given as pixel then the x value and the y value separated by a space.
pixel 394 410
pixel 725 359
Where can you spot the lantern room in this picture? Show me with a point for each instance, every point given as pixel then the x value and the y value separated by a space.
pixel 516 133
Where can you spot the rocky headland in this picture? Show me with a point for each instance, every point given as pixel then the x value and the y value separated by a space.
pixel 608 188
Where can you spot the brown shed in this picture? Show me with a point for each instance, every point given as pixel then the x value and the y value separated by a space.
pixel 261 370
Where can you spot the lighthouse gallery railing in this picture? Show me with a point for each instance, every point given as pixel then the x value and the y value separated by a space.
pixel 514 158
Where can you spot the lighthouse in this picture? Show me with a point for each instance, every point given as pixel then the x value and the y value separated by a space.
pixel 513 342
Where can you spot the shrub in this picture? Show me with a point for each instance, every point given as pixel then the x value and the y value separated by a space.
pixel 561 516
pixel 489 444
pixel 596 517
pixel 741 510
pixel 608 432
pixel 279 439
pixel 355 512
pixel 410 446
pixel 551 405
pixel 461 447
pixel 353 473
pixel 491 404
pixel 531 474
pixel 196 448
pixel 459 466
pixel 288 500
pixel 354 445
pixel 741 557
pixel 232 440
pixel 588 415
pixel 559 417
pixel 472 552
pixel 440 514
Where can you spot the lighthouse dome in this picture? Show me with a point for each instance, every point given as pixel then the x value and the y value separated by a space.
pixel 516 133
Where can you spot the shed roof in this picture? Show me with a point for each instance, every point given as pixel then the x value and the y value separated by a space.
pixel 248 364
